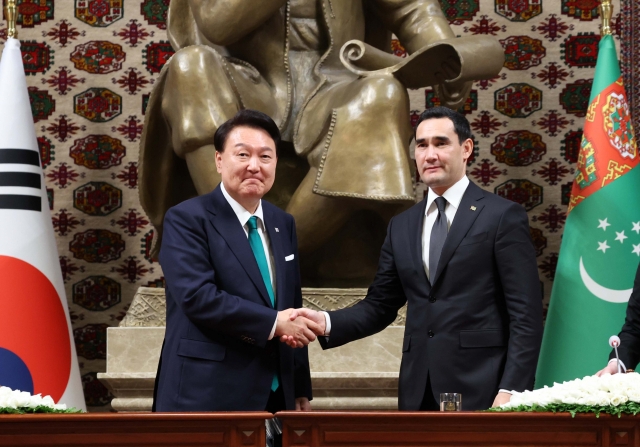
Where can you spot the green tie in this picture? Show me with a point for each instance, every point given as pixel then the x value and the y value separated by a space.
pixel 258 251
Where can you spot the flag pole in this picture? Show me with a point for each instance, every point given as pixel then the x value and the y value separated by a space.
pixel 606 11
pixel 10 13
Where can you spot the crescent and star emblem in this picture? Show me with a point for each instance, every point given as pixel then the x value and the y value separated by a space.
pixel 604 293
pixel 619 296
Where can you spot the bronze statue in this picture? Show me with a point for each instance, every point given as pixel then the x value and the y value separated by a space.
pixel 321 69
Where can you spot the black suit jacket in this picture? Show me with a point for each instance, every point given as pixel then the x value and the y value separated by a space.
pixel 629 350
pixel 477 327
pixel 216 356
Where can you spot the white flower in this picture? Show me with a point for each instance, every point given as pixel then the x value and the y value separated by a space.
pixel 5 392
pixel 48 401
pixel 634 395
pixel 607 390
pixel 22 399
pixel 33 401
pixel 7 398
pixel 618 399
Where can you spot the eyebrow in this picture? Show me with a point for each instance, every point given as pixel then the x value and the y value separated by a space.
pixel 443 138
pixel 246 145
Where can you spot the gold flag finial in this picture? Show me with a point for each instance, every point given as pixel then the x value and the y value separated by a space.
pixel 11 13
pixel 606 11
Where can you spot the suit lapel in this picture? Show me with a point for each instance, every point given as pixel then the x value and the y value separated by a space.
pixel 415 237
pixel 227 225
pixel 466 215
pixel 270 223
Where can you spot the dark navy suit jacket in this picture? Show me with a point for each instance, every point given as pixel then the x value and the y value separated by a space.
pixel 629 350
pixel 216 356
pixel 477 326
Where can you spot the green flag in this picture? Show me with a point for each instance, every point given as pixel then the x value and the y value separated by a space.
pixel 600 247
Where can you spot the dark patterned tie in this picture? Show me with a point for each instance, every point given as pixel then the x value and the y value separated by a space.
pixel 438 236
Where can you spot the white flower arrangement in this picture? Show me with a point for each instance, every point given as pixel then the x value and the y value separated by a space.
pixel 20 402
pixel 613 394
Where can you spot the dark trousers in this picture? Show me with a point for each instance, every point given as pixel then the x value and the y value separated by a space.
pixel 276 401
pixel 429 402
pixel 274 404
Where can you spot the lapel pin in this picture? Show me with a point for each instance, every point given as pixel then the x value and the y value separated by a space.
pixel 277 231
pixel 473 208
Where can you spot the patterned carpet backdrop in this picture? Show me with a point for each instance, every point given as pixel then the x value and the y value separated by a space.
pixel 91 65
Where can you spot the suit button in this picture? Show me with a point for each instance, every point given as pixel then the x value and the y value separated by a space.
pixel 432 299
pixel 431 334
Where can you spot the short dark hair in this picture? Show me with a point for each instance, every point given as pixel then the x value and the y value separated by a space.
pixel 247 118
pixel 460 122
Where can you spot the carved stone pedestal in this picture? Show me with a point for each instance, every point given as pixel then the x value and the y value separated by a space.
pixel 362 375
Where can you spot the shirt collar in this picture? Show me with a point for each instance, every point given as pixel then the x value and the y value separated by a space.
pixel 241 212
pixel 453 195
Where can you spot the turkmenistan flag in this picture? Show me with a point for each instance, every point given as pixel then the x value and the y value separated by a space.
pixel 600 247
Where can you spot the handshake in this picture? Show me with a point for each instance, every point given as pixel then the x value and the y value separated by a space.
pixel 299 327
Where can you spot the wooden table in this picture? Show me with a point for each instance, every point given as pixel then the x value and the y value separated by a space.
pixel 346 429
pixel 134 429
pixel 316 429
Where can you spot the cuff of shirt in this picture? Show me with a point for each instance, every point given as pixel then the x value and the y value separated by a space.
pixel 273 329
pixel 505 391
pixel 327 324
pixel 624 368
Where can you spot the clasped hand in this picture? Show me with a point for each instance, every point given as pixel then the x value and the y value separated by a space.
pixel 299 327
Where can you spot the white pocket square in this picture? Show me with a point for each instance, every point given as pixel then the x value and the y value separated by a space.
pixel 289 258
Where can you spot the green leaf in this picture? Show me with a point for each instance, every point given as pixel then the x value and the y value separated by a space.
pixel 625 408
pixel 39 409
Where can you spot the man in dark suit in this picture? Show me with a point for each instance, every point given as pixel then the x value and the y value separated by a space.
pixel 230 261
pixel 464 261
pixel 629 349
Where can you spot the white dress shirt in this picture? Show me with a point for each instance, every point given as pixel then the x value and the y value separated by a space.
pixel 244 216
pixel 622 366
pixel 453 196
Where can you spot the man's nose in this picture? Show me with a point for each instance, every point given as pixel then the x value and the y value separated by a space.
pixel 254 164
pixel 430 153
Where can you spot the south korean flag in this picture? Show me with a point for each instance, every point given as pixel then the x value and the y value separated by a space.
pixel 37 351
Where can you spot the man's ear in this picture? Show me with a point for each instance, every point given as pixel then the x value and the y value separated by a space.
pixel 219 162
pixel 467 148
